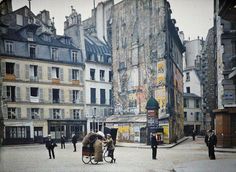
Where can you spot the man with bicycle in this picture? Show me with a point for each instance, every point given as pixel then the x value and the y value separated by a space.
pixel 110 147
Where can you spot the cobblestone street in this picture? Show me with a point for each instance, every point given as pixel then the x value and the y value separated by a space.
pixel 34 158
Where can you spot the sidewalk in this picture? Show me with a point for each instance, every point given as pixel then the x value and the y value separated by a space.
pixel 145 146
pixel 227 150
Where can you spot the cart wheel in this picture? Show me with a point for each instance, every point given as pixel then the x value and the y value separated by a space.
pixel 93 160
pixel 86 159
pixel 106 157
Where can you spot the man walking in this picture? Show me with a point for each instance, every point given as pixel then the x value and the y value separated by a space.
pixel 50 145
pixel 211 143
pixel 74 141
pixel 154 145
pixel 63 139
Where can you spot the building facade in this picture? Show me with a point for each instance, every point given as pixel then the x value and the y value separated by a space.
pixel 193 88
pixel 225 55
pixel 147 60
pixel 42 80
pixel 98 69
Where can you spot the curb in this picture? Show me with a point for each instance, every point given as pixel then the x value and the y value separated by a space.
pixel 159 147
pixel 225 151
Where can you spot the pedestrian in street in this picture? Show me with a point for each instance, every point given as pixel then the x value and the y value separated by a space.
pixel 211 143
pixel 193 135
pixel 74 141
pixel 50 145
pixel 110 147
pixel 63 140
pixel 154 145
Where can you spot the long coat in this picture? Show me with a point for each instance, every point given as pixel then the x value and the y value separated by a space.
pixel 153 142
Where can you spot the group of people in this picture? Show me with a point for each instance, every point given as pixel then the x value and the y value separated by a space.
pixel 92 137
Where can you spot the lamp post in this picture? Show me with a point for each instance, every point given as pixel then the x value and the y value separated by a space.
pixel 94 117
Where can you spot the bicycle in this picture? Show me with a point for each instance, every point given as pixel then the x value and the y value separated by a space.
pixel 106 156
pixel 88 155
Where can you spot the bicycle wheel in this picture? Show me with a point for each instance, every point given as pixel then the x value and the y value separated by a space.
pixel 93 160
pixel 106 157
pixel 86 159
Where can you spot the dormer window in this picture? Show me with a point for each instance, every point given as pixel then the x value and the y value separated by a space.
pixel 75 56
pixel 30 20
pixel 54 54
pixel 19 19
pixel 30 36
pixel 32 51
pixel 9 47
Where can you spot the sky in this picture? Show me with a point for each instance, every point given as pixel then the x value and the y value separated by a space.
pixel 193 17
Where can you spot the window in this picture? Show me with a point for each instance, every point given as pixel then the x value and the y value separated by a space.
pixel 9 47
pixel 91 57
pixel 102 96
pixel 76 114
pixel 56 114
pixel 11 113
pixel 55 95
pixel 55 72
pixel 54 54
pixel 197 104
pixel 10 68
pixel 30 36
pixel 11 93
pixel 100 58
pixel 92 74
pixel 187 77
pixel 197 116
pixel 32 49
pixel 33 72
pixel 122 65
pixel 16 132
pixel 75 96
pixel 35 113
pixel 102 75
pixel 75 74
pixel 34 94
pixel 186 102
pixel 19 19
pixel 185 116
pixel 188 89
pixel 74 56
pixel 110 76
pixel 93 95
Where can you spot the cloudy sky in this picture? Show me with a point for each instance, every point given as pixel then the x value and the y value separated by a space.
pixel 194 17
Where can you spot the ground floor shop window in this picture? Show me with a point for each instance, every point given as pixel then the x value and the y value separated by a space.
pixel 16 132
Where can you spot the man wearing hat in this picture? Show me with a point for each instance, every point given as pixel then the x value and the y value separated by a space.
pixel 211 141
pixel 110 147
pixel 50 145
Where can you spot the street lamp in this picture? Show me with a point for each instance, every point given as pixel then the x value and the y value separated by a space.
pixel 94 116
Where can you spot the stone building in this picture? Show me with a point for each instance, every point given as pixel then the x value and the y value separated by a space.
pixel 98 69
pixel 225 56
pixel 208 78
pixel 147 60
pixel 42 79
pixel 193 92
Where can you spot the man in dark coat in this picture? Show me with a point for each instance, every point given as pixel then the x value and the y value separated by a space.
pixel 50 145
pixel 154 145
pixel 63 139
pixel 193 135
pixel 211 143
pixel 74 141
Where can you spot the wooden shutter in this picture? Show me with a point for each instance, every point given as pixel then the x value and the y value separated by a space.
pixel 71 114
pixel 40 75
pixel 41 95
pixel 41 112
pixel 4 92
pixel 81 76
pixel 71 96
pixel 50 114
pixel 81 97
pixel 18 110
pixel 61 96
pixel 62 113
pixel 18 98
pixel 17 70
pixel 3 67
pixel 49 73
pixel 27 94
pixel 29 113
pixel 27 72
pixel 50 95
pixel 61 74
pixel 70 74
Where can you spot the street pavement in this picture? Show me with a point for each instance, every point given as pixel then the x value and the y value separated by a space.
pixel 188 156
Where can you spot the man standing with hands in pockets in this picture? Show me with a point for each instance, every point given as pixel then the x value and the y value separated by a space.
pixel 154 145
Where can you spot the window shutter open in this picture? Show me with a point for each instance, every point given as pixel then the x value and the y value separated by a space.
pixel 40 75
pixel 71 114
pixel 81 76
pixel 70 74
pixel 3 67
pixel 61 74
pixel 71 96
pixel 4 92
pixel 50 114
pixel 29 113
pixel 49 73
pixel 50 95
pixel 81 96
pixel 4 112
pixel 27 71
pixel 62 96
pixel 62 113
pixel 41 95
pixel 17 70
pixel 18 94
pixel 41 113
pixel 27 94
pixel 18 113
